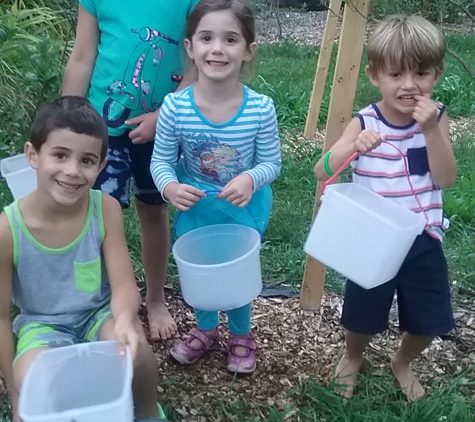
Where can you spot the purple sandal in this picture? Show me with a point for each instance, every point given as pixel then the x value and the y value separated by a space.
pixel 242 363
pixel 185 353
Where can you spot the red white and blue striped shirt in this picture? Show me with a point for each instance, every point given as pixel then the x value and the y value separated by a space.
pixel 387 169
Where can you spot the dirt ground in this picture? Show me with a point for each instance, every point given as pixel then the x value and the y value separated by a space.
pixel 292 345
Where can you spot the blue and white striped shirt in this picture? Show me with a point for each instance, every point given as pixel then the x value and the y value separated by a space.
pixel 216 153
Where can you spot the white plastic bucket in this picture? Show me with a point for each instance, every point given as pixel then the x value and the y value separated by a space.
pixel 20 177
pixel 87 382
pixel 361 234
pixel 219 266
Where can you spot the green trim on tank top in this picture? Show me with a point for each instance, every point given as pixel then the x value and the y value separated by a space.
pixel 11 222
pixel 64 249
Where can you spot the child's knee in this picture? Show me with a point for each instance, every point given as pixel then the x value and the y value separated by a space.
pixel 144 355
pixel 21 366
pixel 152 213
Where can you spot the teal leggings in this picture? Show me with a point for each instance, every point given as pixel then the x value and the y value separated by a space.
pixel 239 320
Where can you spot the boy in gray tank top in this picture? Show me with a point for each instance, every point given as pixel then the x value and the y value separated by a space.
pixel 66 267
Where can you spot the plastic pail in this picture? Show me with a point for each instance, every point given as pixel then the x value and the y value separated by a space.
pixel 361 234
pixel 87 382
pixel 219 266
pixel 20 177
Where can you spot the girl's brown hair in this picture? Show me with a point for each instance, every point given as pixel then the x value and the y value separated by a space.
pixel 240 8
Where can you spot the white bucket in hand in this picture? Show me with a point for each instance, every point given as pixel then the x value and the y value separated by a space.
pixel 362 235
pixel 87 382
pixel 219 266
pixel 20 177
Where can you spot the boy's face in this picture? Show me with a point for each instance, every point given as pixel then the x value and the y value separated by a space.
pixel 67 165
pixel 399 89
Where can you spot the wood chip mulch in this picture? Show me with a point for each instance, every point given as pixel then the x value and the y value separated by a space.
pixel 292 345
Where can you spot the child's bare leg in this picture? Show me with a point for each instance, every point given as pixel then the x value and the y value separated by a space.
pixel 411 347
pixel 145 380
pixel 350 363
pixel 155 243
pixel 19 371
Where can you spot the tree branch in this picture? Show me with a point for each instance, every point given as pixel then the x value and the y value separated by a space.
pixel 276 5
pixel 463 9
pixel 461 61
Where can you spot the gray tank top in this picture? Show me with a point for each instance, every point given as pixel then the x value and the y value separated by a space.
pixel 60 286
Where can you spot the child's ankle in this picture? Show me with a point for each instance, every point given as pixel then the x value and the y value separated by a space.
pixel 249 334
pixel 210 333
pixel 354 358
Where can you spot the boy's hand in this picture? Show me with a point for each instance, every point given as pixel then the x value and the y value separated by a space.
pixel 182 196
pixel 425 113
pixel 368 140
pixel 126 335
pixel 146 127
pixel 239 190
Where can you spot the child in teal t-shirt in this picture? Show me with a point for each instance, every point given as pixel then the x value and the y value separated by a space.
pixel 127 56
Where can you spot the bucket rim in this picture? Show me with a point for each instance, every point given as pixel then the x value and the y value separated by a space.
pixel 334 188
pixel 16 172
pixel 89 409
pixel 255 247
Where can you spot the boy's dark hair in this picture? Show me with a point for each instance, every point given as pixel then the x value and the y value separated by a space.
pixel 69 112
pixel 240 8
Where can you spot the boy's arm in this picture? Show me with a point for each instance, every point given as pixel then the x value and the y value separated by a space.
pixel 77 75
pixel 147 123
pixel 7 345
pixel 341 150
pixel 442 164
pixel 125 298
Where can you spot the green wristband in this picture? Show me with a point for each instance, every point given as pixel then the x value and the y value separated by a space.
pixel 326 164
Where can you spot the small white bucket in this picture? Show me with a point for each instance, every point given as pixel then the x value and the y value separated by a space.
pixel 87 382
pixel 20 177
pixel 219 266
pixel 362 235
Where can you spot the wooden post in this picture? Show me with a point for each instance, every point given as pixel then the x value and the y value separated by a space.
pixel 324 57
pixel 339 114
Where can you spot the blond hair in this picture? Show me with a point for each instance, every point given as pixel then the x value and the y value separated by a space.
pixel 406 42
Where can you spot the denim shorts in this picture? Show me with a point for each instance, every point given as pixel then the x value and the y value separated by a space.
pixel 423 295
pixel 126 160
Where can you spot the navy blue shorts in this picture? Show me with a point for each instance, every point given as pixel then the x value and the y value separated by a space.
pixel 423 295
pixel 124 161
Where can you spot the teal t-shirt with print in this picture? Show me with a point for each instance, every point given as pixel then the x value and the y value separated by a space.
pixel 140 56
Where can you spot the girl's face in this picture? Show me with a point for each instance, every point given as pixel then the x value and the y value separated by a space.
pixel 218 47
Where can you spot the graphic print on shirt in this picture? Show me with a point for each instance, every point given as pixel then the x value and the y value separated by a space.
pixel 136 89
pixel 217 161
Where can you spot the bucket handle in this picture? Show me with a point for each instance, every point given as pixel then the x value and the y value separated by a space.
pixel 208 191
pixel 340 169
pixel 406 168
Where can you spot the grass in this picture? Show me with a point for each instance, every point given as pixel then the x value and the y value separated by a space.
pixel 285 72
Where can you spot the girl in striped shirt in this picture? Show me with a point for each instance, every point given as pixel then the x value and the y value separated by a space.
pixel 228 138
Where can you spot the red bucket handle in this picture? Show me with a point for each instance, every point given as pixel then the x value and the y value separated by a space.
pixel 337 173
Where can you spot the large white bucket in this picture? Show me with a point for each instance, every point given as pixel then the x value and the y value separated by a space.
pixel 361 234
pixel 20 177
pixel 219 266
pixel 87 382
